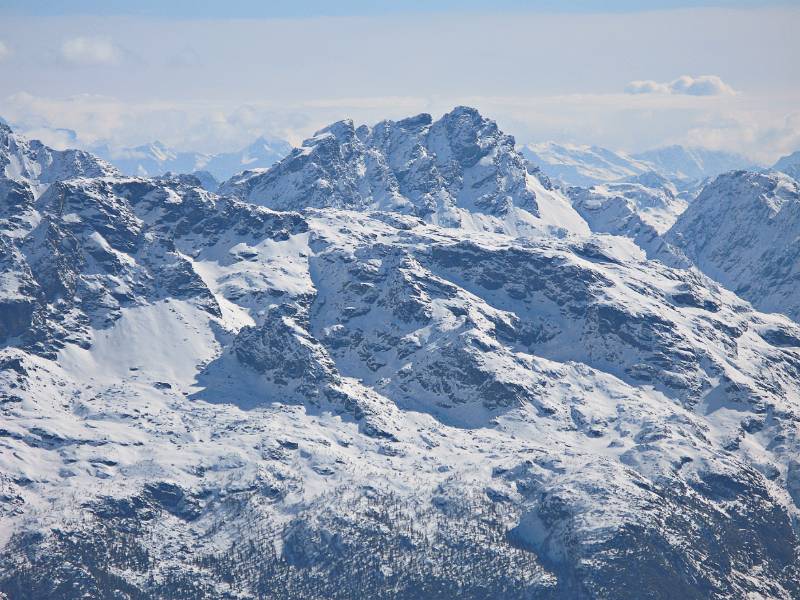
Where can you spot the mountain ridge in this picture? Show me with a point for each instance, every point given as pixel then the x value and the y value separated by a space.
pixel 585 166
pixel 458 171
pixel 157 159
pixel 743 231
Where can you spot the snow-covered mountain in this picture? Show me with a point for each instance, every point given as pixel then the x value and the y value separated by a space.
pixel 744 231
pixel 31 162
pixel 642 208
pixel 693 163
pixel 459 171
pixel 151 159
pixel 262 153
pixel 583 166
pixel 207 181
pixel 158 159
pixel 790 165
pixel 28 168
pixel 206 398
pixel 613 192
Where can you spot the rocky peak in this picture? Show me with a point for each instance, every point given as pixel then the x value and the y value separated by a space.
pixel 460 170
pixel 32 162
pixel 343 130
pixel 470 135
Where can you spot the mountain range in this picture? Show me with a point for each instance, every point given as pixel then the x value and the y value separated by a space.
pixel 157 159
pixel 585 166
pixel 399 363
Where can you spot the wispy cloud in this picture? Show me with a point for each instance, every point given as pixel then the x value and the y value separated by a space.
pixel 619 121
pixel 702 85
pixel 5 51
pixel 87 51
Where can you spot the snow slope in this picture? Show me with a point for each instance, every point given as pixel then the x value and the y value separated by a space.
pixel 642 208
pixel 586 166
pixel 693 163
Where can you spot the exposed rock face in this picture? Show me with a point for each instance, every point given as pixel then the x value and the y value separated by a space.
pixel 106 244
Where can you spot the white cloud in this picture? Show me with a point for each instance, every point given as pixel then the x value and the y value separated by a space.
pixel 90 51
pixel 5 51
pixel 761 127
pixel 703 85
pixel 60 139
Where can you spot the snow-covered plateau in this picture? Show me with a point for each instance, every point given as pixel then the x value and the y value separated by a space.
pixel 400 363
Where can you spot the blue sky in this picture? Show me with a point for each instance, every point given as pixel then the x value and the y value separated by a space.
pixel 212 76
pixel 317 8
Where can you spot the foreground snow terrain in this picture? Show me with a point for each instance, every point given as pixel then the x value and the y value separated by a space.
pixel 412 372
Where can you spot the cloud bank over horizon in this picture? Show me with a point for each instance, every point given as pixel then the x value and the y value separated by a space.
pixel 718 77
pixel 703 85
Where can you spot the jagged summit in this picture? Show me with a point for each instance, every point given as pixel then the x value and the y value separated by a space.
pixel 35 164
pixel 343 131
pixel 459 171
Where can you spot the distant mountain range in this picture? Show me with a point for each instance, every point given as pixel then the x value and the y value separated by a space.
pixel 588 165
pixel 156 159
pixel 571 165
